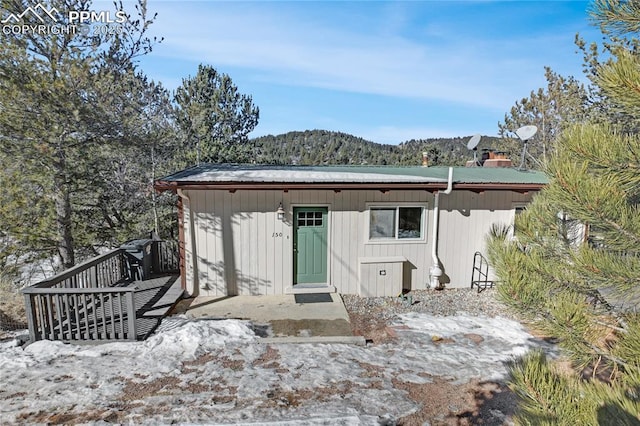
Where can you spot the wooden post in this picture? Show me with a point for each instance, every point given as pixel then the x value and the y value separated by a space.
pixel 131 316
pixel 51 320
pixel 31 319
pixel 156 264
pixel 95 275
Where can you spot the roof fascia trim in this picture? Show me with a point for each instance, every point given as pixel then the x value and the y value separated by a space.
pixel 428 186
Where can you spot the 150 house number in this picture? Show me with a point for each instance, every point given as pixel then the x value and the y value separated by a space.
pixel 276 235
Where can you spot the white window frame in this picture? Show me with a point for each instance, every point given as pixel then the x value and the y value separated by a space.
pixel 518 206
pixel 522 206
pixel 396 239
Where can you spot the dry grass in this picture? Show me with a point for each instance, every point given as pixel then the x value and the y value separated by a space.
pixel 12 311
pixel 443 403
pixel 440 402
pixel 371 327
pixel 44 417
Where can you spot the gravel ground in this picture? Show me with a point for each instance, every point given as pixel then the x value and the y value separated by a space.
pixel 476 403
pixel 435 302
pixel 371 316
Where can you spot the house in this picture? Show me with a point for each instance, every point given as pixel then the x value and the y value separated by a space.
pixel 368 230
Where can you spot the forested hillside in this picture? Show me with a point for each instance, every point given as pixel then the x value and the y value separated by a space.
pixel 315 147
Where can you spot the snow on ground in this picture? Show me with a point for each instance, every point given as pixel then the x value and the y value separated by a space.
pixel 218 372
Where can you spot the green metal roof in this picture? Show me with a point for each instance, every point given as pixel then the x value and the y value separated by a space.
pixel 490 175
pixel 212 173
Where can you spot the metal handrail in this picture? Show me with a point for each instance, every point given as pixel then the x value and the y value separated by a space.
pixel 480 273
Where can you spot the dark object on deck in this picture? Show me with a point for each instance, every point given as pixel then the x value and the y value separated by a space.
pixel 313 298
pixel 138 255
pixel 480 273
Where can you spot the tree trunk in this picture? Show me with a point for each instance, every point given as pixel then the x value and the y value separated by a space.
pixel 62 199
pixel 154 202
pixel 63 222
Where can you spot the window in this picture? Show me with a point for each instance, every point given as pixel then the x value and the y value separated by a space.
pixel 518 209
pixel 410 222
pixel 396 223
pixel 309 219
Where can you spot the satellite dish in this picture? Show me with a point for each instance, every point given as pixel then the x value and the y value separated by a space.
pixel 473 145
pixel 526 132
pixel 473 142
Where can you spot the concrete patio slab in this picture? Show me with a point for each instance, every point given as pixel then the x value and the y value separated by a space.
pixel 280 316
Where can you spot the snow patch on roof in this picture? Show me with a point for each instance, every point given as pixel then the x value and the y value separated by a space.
pixel 304 176
pixel 270 174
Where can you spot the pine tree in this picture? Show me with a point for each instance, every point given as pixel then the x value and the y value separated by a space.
pixel 563 101
pixel 215 118
pixel 573 268
pixel 65 100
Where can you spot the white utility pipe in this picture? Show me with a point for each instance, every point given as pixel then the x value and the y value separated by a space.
pixel 435 272
pixel 449 182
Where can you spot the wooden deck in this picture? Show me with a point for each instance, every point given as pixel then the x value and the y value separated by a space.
pixel 106 317
pixel 154 300
pixel 113 297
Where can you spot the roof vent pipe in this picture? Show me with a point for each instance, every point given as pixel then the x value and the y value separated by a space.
pixel 435 272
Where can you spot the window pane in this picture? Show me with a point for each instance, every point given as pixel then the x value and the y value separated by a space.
pixel 318 222
pixel 409 222
pixel 382 223
pixel 518 211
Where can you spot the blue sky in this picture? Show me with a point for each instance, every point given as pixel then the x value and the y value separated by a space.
pixel 384 71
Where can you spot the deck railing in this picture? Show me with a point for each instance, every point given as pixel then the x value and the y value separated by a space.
pixel 165 256
pixel 93 300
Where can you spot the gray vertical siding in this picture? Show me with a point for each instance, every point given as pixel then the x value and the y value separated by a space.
pixel 465 220
pixel 242 248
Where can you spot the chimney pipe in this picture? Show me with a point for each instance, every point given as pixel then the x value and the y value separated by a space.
pixel 425 159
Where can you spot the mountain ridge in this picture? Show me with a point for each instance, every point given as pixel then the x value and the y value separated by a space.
pixel 318 147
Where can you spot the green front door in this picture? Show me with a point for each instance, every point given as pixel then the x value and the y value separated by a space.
pixel 310 245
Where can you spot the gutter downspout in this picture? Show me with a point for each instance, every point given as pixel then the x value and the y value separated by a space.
pixel 435 272
pixel 194 264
